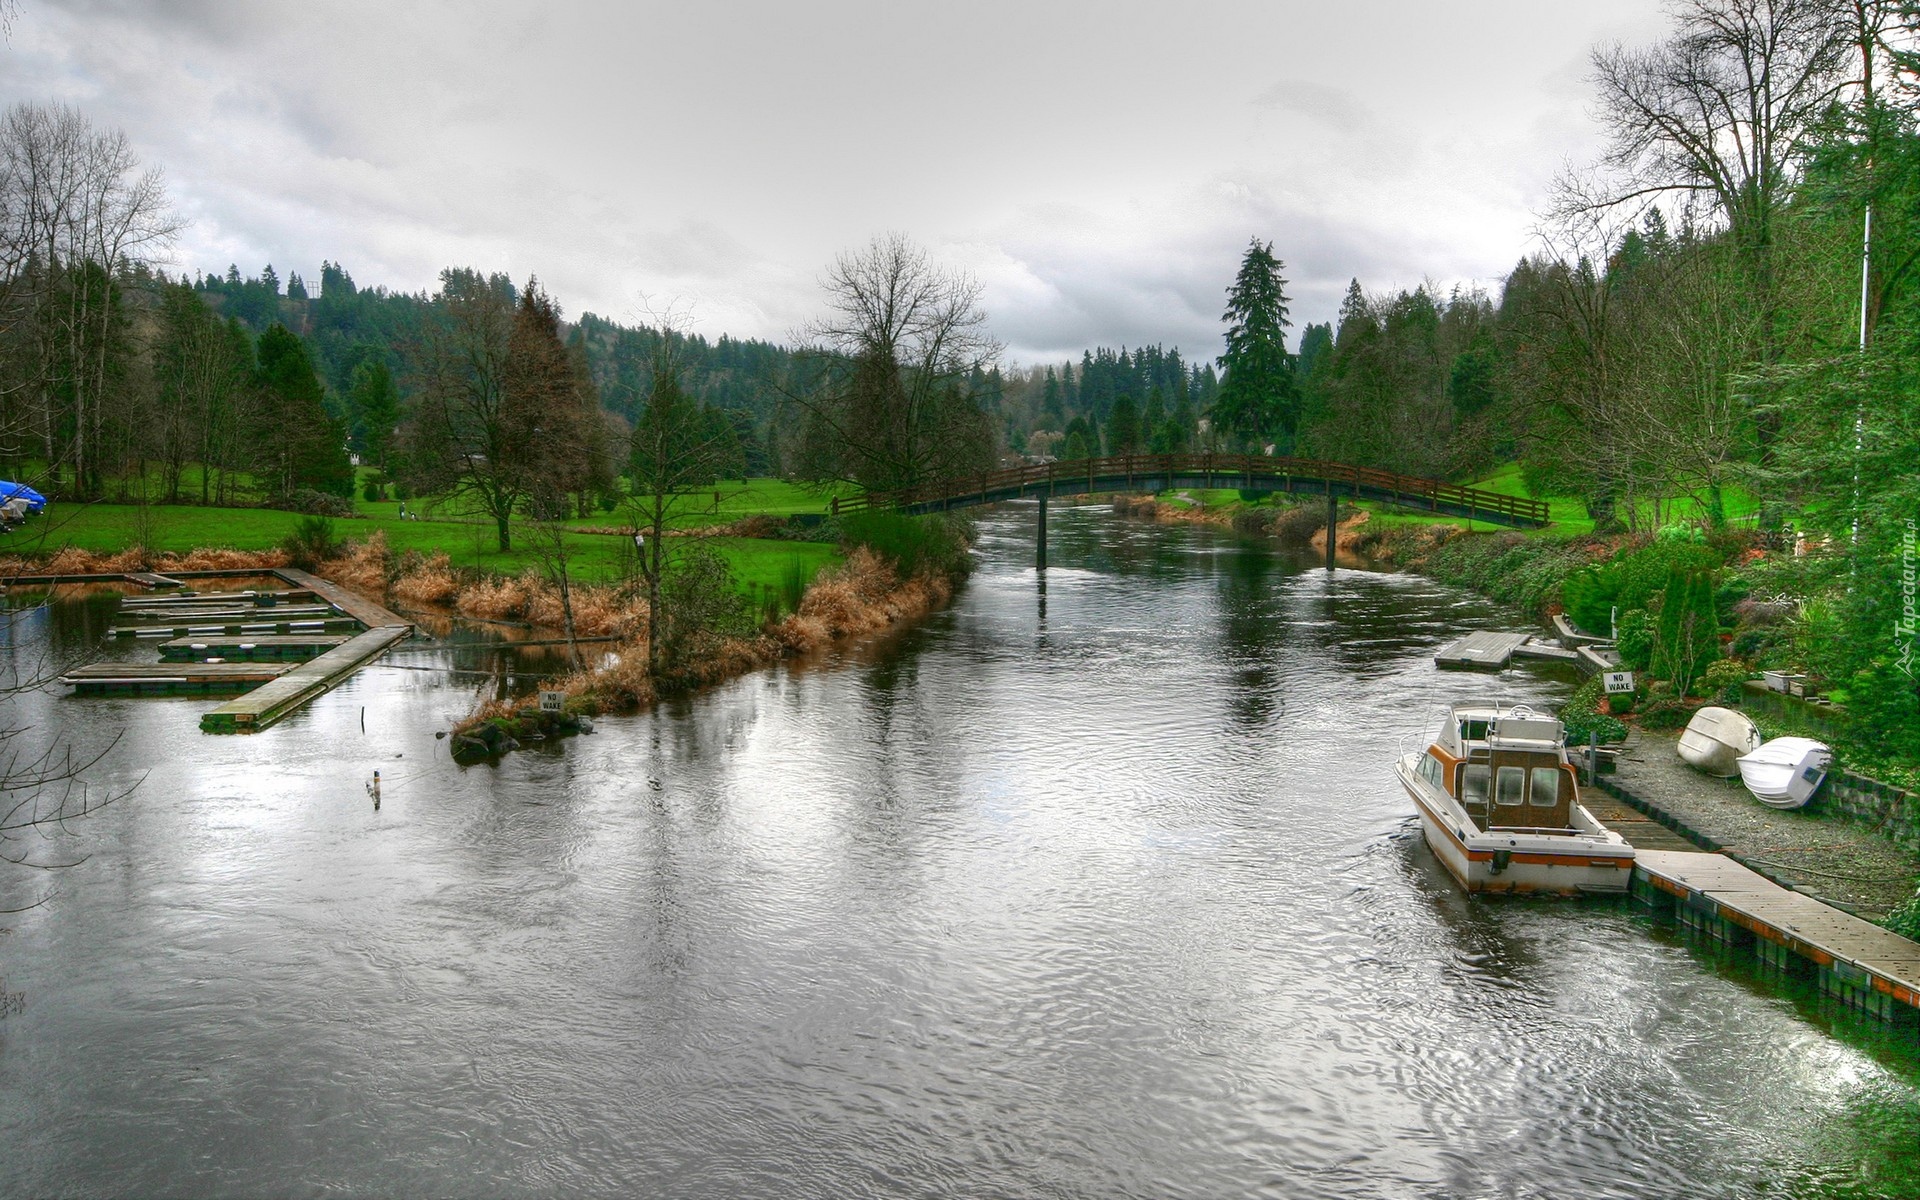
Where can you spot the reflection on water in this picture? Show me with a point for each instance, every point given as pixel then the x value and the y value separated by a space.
pixel 1093 885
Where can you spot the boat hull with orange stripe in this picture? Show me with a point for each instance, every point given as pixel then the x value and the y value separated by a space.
pixel 1526 831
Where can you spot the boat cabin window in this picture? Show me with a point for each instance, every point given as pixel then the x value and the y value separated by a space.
pixel 1510 784
pixel 1545 789
pixel 1474 730
pixel 1432 771
pixel 1473 783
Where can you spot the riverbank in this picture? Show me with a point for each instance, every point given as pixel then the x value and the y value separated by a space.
pixel 861 596
pixel 1832 859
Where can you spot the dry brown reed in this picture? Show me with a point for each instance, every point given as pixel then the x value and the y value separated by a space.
pixel 365 567
pixel 426 580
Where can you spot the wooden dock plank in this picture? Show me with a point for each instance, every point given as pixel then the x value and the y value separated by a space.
pixel 149 579
pixel 181 629
pixel 1539 649
pixel 96 679
pixel 363 610
pixel 259 648
pixel 1481 650
pixel 218 612
pixel 300 684
pixel 258 598
pixel 1818 931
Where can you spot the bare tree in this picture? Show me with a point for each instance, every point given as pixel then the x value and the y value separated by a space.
pixel 77 215
pixel 673 456
pixel 891 370
pixel 1719 118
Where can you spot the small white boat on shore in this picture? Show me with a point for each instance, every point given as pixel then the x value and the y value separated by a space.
pixel 1716 738
pixel 1785 772
pixel 1499 804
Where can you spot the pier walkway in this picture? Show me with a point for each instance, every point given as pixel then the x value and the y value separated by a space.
pixel 1864 966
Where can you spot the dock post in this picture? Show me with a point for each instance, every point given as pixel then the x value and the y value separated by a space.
pixel 1040 537
pixel 1333 521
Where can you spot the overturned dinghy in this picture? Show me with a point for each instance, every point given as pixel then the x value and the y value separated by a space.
pixel 1786 771
pixel 1716 738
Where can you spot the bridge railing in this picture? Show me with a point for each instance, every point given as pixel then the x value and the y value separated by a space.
pixel 1221 470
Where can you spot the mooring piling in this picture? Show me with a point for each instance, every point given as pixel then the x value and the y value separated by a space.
pixel 1040 536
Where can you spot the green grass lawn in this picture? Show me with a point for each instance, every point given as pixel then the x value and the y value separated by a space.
pixel 724 503
pixel 108 528
pixel 1567 514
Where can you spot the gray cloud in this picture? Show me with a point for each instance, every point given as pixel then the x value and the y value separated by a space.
pixel 1100 170
pixel 1329 105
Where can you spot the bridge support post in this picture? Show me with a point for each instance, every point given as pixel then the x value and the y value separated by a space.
pixel 1333 521
pixel 1040 537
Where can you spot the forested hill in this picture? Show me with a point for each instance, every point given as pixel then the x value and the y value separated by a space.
pixel 1069 409
pixel 345 326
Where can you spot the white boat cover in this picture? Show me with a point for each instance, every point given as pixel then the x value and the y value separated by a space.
pixel 1716 738
pixel 1785 772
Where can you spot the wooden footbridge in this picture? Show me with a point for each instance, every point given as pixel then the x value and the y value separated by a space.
pixel 1253 473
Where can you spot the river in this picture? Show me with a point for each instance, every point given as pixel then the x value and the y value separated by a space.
pixel 1102 890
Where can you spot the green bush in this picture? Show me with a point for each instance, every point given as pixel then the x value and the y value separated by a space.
pixel 1581 716
pixel 1723 679
pixel 1634 577
pixel 311 542
pixel 915 545
pixel 1588 597
pixel 1668 713
pixel 1635 642
pixel 1687 636
pixel 1905 920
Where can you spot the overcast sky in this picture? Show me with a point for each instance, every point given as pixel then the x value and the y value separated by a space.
pixel 1099 167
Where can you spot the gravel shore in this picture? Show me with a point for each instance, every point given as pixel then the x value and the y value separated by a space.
pixel 1824 856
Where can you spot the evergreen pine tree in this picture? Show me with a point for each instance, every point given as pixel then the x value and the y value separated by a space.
pixel 1258 393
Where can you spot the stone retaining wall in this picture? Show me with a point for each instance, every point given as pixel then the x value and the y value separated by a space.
pixel 1892 811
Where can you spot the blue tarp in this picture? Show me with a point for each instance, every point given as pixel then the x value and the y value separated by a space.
pixel 35 501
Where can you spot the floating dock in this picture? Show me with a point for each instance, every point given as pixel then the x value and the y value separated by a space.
pixel 223 612
pixel 147 579
pixel 1490 651
pixel 170 679
pixel 1862 965
pixel 180 629
pixel 251 625
pixel 259 599
pixel 300 684
pixel 296 647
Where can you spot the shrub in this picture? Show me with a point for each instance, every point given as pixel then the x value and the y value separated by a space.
pixel 1299 522
pixel 1635 641
pixel 1723 679
pixel 1905 920
pixel 1581 716
pixel 311 543
pixel 700 605
pixel 915 545
pixel 1666 713
pixel 320 504
pixel 1687 637
pixel 1634 576
pixel 375 488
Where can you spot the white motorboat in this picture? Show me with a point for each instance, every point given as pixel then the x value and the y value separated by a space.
pixel 1716 738
pixel 1499 804
pixel 1785 772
